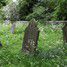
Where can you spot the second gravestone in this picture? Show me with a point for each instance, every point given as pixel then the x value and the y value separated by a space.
pixel 65 32
pixel 30 38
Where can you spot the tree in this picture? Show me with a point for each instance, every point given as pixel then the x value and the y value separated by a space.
pixel 25 8
pixel 43 9
pixel 60 12
pixel 2 3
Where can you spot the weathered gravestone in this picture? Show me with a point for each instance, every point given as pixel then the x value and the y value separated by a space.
pixel 13 28
pixel 65 33
pixel 30 38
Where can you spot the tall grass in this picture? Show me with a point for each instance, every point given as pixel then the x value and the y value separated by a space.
pixel 51 52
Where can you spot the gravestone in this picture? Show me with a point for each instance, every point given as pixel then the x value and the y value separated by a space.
pixel 13 28
pixel 65 33
pixel 30 38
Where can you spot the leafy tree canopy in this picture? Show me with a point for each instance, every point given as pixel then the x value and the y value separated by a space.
pixel 2 3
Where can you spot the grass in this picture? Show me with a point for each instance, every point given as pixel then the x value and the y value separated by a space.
pixel 51 52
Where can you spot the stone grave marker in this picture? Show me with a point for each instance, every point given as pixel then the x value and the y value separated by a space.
pixel 65 33
pixel 30 38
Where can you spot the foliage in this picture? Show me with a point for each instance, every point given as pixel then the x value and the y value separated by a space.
pixel 25 8
pixel 60 12
pixel 2 16
pixel 37 13
pixel 51 9
pixel 2 3
pixel 13 11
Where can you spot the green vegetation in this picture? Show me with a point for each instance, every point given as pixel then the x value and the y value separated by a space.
pixel 43 9
pixel 51 52
pixel 25 8
pixel 2 3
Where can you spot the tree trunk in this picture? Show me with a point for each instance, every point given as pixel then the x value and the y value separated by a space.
pixel 13 28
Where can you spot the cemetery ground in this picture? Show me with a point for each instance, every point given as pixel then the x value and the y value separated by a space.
pixel 50 50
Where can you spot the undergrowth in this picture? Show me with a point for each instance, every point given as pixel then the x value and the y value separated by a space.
pixel 51 51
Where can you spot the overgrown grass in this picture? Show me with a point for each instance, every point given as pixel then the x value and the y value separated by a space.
pixel 51 52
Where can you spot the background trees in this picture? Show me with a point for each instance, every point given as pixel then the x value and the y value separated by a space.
pixel 25 8
pixel 43 9
pixel 40 9
pixel 2 3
